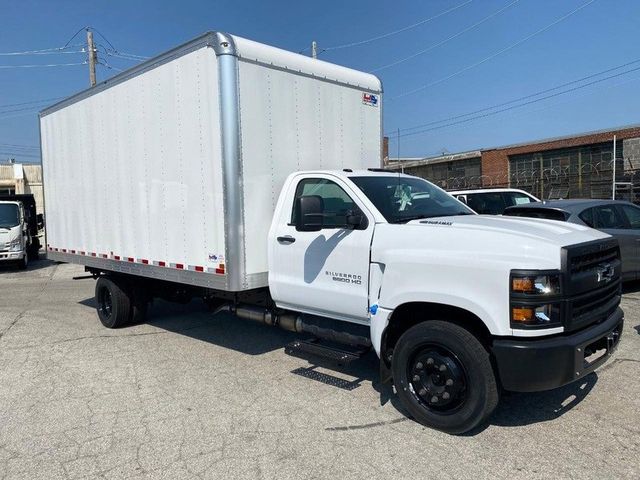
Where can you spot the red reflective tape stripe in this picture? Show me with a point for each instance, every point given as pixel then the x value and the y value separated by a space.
pixel 104 255
pixel 180 266
pixel 162 264
pixel 81 253
pixel 93 254
pixel 64 250
pixel 220 270
pixel 117 257
pixel 199 269
pixel 130 259
pixel 145 261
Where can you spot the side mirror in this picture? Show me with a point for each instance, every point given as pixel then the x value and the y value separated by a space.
pixel 309 213
pixel 356 219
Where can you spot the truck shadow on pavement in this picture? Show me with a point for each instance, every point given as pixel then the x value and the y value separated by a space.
pixel 195 321
pixel 33 265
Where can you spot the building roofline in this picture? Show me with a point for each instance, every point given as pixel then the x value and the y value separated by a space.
pixel 418 161
pixel 563 137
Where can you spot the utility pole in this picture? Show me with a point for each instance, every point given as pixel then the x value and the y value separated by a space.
pixel 314 49
pixel 93 58
pixel 613 187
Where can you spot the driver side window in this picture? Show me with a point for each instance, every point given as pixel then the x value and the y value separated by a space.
pixel 336 203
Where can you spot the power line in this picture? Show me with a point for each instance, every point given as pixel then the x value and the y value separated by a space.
pixel 395 32
pixel 74 36
pixel 43 65
pixel 110 67
pixel 32 102
pixel 23 109
pixel 532 95
pixel 514 114
pixel 448 39
pixel 130 56
pixel 46 51
pixel 20 145
pixel 104 38
pixel 494 55
pixel 466 120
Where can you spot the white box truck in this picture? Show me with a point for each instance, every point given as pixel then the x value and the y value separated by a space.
pixel 247 176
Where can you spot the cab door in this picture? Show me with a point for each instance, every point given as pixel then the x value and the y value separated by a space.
pixel 324 272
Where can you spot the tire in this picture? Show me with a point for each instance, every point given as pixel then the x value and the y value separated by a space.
pixel 34 252
pixel 24 263
pixel 113 302
pixel 444 377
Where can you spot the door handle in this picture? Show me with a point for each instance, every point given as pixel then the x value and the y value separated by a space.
pixel 287 239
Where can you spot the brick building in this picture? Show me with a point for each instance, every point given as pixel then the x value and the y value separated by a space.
pixel 564 167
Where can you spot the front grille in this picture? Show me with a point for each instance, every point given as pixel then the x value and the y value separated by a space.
pixel 593 282
pixel 589 261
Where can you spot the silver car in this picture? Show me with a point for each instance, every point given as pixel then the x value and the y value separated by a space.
pixel 617 218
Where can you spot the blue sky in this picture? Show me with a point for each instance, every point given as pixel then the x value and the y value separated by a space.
pixel 598 37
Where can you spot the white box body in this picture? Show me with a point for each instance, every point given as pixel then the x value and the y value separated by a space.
pixel 172 170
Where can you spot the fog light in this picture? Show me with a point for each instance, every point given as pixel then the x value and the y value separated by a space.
pixel 541 315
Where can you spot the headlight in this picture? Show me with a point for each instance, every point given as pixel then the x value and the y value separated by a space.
pixel 535 299
pixel 548 284
pixel 15 245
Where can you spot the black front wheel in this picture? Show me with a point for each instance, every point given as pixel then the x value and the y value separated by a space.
pixel 113 303
pixel 443 376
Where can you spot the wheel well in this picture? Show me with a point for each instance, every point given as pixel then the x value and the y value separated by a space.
pixel 409 314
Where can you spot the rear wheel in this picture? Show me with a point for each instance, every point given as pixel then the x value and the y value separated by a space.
pixel 443 376
pixel 113 302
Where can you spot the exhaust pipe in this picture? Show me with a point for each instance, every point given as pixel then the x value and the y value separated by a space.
pixel 293 323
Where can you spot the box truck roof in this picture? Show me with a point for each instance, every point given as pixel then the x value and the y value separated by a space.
pixel 249 51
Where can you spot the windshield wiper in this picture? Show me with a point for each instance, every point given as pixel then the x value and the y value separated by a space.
pixel 408 218
pixel 418 217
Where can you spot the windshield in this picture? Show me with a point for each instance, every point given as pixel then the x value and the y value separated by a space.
pixel 401 199
pixel 9 216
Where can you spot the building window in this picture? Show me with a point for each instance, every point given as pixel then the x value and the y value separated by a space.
pixel 575 172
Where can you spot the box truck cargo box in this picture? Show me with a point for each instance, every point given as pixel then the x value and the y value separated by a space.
pixel 172 169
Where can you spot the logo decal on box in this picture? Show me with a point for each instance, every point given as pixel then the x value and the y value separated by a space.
pixel 370 99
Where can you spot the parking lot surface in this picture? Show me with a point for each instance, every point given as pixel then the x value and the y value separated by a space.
pixel 190 395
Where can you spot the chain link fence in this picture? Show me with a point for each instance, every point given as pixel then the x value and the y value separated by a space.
pixel 589 180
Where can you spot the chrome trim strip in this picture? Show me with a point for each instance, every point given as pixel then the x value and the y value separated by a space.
pixel 198 279
pixel 232 169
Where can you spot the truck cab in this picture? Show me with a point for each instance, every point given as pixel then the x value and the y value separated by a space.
pixel 14 234
pixel 459 306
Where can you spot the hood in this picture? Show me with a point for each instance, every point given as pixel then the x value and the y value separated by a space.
pixel 550 231
pixel 7 236
pixel 518 242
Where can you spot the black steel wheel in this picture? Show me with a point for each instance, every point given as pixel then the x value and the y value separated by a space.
pixel 444 377
pixel 437 379
pixel 112 302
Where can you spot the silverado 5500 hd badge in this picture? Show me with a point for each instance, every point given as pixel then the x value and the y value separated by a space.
pixel 344 277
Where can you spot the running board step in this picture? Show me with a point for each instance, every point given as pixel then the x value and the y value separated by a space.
pixel 306 348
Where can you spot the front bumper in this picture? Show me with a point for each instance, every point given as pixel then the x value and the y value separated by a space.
pixel 531 365
pixel 11 256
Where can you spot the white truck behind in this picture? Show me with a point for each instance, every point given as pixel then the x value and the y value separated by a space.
pixel 247 176
pixel 18 230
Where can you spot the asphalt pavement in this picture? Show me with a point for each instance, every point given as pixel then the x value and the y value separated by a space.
pixel 190 395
